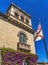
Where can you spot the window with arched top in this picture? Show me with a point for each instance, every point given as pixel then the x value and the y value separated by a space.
pixel 22 18
pixel 16 15
pixel 22 38
pixel 27 21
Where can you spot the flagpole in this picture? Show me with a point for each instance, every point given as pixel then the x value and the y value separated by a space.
pixel 45 44
pixel 40 34
pixel 45 47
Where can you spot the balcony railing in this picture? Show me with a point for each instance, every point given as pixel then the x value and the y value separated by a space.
pixel 24 46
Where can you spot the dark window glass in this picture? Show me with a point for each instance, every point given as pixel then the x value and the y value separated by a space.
pixel 22 18
pixel 16 15
pixel 27 22
pixel 22 38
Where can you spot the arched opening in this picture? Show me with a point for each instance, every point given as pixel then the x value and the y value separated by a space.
pixel 22 18
pixel 22 38
pixel 27 21
pixel 16 15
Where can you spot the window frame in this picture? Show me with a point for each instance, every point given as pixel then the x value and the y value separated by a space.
pixel 22 18
pixel 22 38
pixel 23 33
pixel 27 21
pixel 16 15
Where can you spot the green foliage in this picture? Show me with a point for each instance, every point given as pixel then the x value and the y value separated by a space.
pixel 5 50
pixel 21 55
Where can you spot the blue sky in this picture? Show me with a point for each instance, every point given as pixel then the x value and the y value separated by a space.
pixel 37 9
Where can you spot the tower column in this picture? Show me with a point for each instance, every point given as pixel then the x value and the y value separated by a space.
pixel 19 17
pixel 25 20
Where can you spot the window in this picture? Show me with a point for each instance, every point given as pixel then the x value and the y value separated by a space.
pixel 22 38
pixel 16 15
pixel 27 22
pixel 22 18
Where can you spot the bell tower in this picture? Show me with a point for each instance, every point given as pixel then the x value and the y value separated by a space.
pixel 17 13
pixel 16 30
pixel 22 20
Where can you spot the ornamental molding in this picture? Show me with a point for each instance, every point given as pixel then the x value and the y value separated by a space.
pixel 16 23
pixel 20 25
pixel 23 33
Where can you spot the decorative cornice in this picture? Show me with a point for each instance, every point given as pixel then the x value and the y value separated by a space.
pixel 18 19
pixel 16 23
pixel 20 25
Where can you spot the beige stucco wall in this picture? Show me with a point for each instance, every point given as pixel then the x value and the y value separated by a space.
pixel 9 38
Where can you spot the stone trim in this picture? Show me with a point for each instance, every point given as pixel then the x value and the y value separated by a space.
pixel 23 33
pixel 20 19
pixel 20 25
pixel 12 21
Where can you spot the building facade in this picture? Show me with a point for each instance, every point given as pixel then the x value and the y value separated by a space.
pixel 16 30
